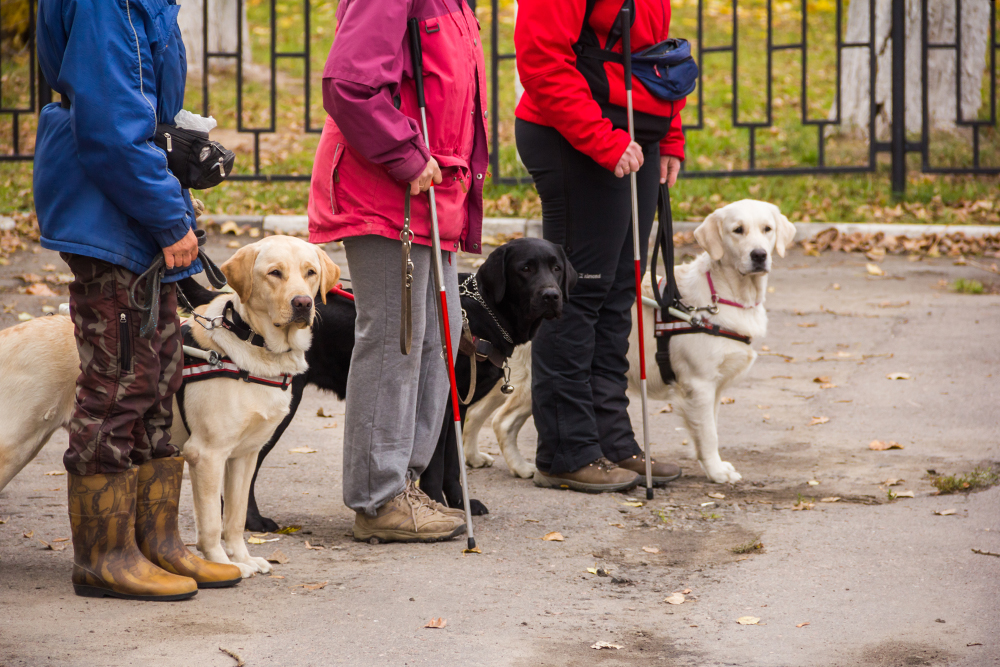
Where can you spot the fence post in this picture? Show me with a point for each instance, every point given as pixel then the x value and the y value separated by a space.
pixel 899 97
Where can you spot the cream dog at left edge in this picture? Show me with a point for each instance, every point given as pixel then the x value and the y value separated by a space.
pixel 230 420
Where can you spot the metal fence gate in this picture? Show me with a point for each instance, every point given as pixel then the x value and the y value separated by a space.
pixel 745 50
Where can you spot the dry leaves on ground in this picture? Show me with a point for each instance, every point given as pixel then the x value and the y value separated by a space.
pixel 666 409
pixel 314 547
pixel 822 379
pixel 288 530
pixel 717 496
pixel 303 450
pixel 874 269
pixel 260 539
pixel 727 400
pixel 437 623
pixel 904 494
pixel 651 550
pixel 29 534
pixel 633 503
pixel 320 413
pixel 802 625
pixel 52 547
pixel 813 482
pixel 879 244
pixel 278 557
pixel 748 620
pixel 892 481
pixel 818 420
pixel 675 598
pixel 55 473
pixel 235 656
pixel 312 587
pixel 39 289
pixel 604 645
pixel 554 536
pixel 945 512
pixel 883 445
pixel 4 519
pixel 829 499
pixel 807 325
pixel 898 376
pixel 802 505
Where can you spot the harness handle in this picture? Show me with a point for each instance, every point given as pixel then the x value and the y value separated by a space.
pixel 671 295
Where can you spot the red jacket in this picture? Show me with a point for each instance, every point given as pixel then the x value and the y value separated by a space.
pixel 371 143
pixel 557 95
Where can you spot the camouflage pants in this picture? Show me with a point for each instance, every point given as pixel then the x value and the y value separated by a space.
pixel 124 394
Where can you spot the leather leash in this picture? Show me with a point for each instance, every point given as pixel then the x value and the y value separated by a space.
pixel 406 302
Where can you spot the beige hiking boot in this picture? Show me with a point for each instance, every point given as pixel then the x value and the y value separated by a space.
pixel 456 512
pixel 406 518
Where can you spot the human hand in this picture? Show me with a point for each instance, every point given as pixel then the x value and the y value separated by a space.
pixel 422 183
pixel 630 160
pixel 670 166
pixel 182 253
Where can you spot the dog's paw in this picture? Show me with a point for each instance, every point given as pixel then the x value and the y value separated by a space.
pixel 524 470
pixel 721 472
pixel 479 460
pixel 262 565
pixel 261 524
pixel 246 571
pixel 477 508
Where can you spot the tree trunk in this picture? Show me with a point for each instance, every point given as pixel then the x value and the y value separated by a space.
pixel 222 32
pixel 941 101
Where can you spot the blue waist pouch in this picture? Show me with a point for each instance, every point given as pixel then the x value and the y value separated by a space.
pixel 666 69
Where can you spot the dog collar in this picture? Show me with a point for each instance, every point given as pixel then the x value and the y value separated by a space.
pixel 232 322
pixel 724 302
pixel 465 290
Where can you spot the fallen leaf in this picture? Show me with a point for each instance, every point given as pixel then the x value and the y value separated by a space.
pixel 29 534
pixel 905 494
pixel 28 278
pixel 802 505
pixel 317 547
pixel 473 550
pixel 532 521
pixel 60 539
pixel 49 267
pixel 765 348
pixel 234 656
pixel 436 623
pixel 40 289
pixel 592 570
pixel 651 550
pixel 874 269
pixel 4 519
pixel 882 445
pixel 827 385
pixel 843 354
pixel 554 536
pixel 717 496
pixel 24 317
pixel 686 591
pixel 814 482
pixel 802 625
pixel 55 473
pixel 276 576
pixel 602 645
pixel 726 400
pixel 748 620
pixel 633 503
pixel 829 499
pixel 822 379
pixel 259 540
pixel 892 481
pixel 818 420
pixel 675 598
pixel 667 408
pixel 60 279
pixel 230 227
pixel 288 530
pixel 945 512
pixel 315 587
pixel 835 286
pixel 52 547
pixel 320 413
pixel 303 450
pixel 807 325
pixel 898 376
pixel 234 244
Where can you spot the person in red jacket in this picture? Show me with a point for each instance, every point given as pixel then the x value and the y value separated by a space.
pixel 572 135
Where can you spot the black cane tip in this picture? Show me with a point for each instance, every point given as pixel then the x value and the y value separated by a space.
pixel 649 494
pixel 472 543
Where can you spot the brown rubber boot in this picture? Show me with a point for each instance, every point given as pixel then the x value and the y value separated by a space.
pixel 106 560
pixel 662 472
pixel 406 518
pixel 156 531
pixel 455 512
pixel 596 477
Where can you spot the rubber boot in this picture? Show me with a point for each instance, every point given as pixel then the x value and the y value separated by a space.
pixel 106 559
pixel 156 530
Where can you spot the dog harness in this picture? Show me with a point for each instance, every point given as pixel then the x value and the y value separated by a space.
pixel 480 349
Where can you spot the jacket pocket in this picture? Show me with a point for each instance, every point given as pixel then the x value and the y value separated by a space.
pixel 338 152
pixel 124 343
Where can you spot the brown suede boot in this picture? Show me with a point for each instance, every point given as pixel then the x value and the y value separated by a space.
pixel 662 472
pixel 456 512
pixel 106 560
pixel 596 477
pixel 406 518
pixel 156 530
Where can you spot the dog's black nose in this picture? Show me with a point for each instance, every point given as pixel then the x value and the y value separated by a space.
pixel 302 303
pixel 758 256
pixel 550 297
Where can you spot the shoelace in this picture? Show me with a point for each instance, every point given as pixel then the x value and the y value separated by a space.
pixel 605 464
pixel 417 507
pixel 424 498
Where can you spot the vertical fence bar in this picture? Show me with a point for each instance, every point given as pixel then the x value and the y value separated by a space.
pixel 495 89
pixel 898 97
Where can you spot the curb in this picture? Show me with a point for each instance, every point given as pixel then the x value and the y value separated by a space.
pixel 299 225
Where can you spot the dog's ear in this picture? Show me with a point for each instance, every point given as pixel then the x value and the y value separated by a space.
pixel 329 273
pixel 238 270
pixel 709 236
pixel 569 275
pixel 493 274
pixel 784 232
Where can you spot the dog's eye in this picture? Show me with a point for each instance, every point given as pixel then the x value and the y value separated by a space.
pixel 526 268
pixel 557 268
pixel 276 273
pixel 767 229
pixel 738 230
pixel 310 273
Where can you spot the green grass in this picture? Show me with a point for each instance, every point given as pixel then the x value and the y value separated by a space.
pixel 982 477
pixel 717 145
pixel 751 547
pixel 965 286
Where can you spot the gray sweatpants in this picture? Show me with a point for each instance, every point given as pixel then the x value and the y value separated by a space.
pixel 395 402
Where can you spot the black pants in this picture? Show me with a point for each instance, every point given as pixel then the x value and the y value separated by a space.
pixel 579 362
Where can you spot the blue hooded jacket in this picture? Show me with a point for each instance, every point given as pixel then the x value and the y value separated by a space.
pixel 102 187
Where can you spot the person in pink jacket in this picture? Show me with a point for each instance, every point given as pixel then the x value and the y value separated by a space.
pixel 371 154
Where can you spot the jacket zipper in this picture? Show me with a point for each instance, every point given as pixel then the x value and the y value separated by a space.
pixel 125 342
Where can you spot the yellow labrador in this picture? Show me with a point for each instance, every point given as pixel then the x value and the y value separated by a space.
pixel 739 240
pixel 274 281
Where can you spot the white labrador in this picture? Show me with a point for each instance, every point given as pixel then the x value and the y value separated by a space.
pixel 230 420
pixel 738 240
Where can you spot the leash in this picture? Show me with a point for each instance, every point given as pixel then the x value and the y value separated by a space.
pixel 153 276
pixel 406 302
pixel 473 292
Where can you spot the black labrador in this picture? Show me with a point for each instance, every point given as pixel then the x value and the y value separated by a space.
pixel 521 283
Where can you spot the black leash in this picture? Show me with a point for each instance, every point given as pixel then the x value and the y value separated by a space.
pixel 153 277
pixel 671 296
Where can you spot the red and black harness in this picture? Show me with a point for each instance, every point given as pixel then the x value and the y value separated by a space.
pixel 668 297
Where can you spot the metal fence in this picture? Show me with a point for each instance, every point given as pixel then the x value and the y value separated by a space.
pixel 719 31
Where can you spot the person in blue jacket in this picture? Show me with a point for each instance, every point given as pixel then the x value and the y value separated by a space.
pixel 108 203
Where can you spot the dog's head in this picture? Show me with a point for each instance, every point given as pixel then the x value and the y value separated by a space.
pixel 534 274
pixel 278 276
pixel 746 231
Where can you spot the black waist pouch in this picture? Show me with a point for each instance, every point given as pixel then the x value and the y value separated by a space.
pixel 197 161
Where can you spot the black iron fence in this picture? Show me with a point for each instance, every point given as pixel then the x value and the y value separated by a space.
pixel 786 86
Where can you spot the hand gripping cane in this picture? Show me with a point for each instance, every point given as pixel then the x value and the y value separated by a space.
pixel 627 52
pixel 418 79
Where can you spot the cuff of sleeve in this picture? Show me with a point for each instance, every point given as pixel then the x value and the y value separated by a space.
pixel 672 150
pixel 171 236
pixel 412 164
pixel 610 157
